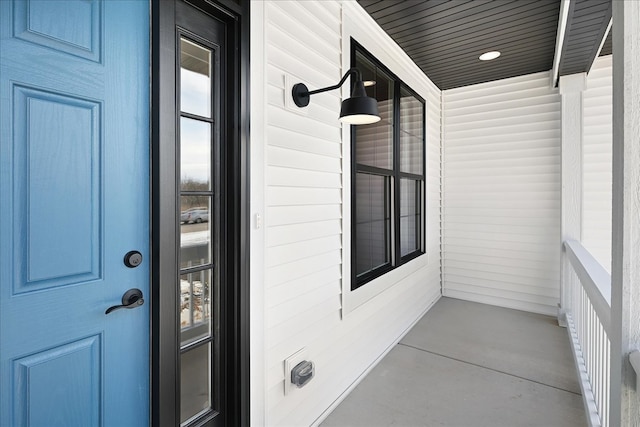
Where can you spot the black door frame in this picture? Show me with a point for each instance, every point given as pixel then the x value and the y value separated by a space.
pixel 165 349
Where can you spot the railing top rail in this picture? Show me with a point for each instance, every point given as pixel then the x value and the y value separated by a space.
pixel 594 278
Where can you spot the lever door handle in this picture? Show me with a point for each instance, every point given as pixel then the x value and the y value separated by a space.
pixel 131 299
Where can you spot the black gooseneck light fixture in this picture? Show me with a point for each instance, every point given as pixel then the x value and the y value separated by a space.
pixel 360 109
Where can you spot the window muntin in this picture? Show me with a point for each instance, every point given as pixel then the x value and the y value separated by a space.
pixel 388 176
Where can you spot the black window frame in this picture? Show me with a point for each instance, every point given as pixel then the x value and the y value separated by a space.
pixel 393 198
pixel 234 213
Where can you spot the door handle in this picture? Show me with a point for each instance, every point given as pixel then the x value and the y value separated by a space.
pixel 131 299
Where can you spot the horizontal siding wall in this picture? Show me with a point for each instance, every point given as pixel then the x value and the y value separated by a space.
pixel 501 193
pixel 434 187
pixel 596 169
pixel 306 227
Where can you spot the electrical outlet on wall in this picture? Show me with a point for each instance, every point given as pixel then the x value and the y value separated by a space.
pixel 290 363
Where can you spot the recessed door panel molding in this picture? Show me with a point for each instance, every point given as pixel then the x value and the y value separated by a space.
pixel 57 189
pixel 69 26
pixel 73 398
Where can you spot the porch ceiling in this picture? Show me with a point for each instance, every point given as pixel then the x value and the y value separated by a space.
pixel 445 38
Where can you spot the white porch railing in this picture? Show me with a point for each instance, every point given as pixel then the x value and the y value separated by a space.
pixel 589 326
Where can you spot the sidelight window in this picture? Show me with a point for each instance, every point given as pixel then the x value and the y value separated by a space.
pixel 197 274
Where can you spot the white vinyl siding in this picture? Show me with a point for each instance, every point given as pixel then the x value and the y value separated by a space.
pixel 501 193
pixel 434 185
pixel 307 218
pixel 596 168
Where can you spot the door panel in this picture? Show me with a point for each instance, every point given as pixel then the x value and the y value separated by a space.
pixel 73 201
pixel 56 132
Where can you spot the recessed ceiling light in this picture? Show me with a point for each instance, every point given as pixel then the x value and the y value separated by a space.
pixel 489 56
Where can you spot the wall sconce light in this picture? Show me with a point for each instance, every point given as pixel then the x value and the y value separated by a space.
pixel 360 109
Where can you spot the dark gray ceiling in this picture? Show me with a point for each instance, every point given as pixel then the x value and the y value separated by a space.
pixel 586 27
pixel 445 37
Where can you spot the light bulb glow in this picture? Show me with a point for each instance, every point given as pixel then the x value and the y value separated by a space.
pixel 489 56
pixel 360 119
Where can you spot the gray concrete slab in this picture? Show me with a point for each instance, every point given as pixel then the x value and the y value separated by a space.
pixel 411 387
pixel 527 345
pixel 465 365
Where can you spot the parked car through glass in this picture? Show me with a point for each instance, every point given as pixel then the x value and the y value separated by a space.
pixel 194 215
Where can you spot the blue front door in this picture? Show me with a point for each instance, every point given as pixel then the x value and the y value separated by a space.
pixel 74 179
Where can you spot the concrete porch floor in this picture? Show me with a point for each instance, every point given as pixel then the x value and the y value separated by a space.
pixel 468 364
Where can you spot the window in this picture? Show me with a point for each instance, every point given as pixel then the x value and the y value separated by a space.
pixel 388 176
pixel 199 197
pixel 197 284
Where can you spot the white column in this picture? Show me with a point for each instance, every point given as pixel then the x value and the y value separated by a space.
pixel 571 89
pixel 625 272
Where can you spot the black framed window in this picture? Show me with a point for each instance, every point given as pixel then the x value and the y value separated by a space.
pixel 199 299
pixel 198 283
pixel 388 175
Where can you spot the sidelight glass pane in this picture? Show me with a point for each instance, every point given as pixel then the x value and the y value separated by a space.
pixel 411 133
pixel 195 155
pixel 195 79
pixel 195 231
pixel 410 216
pixel 195 382
pixel 195 306
pixel 372 222
pixel 374 142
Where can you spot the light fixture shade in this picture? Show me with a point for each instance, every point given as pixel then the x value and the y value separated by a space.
pixel 360 109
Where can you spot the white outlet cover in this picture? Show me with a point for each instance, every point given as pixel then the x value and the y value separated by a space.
pixel 290 363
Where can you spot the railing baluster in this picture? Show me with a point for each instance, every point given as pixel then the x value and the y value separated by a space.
pixel 589 322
